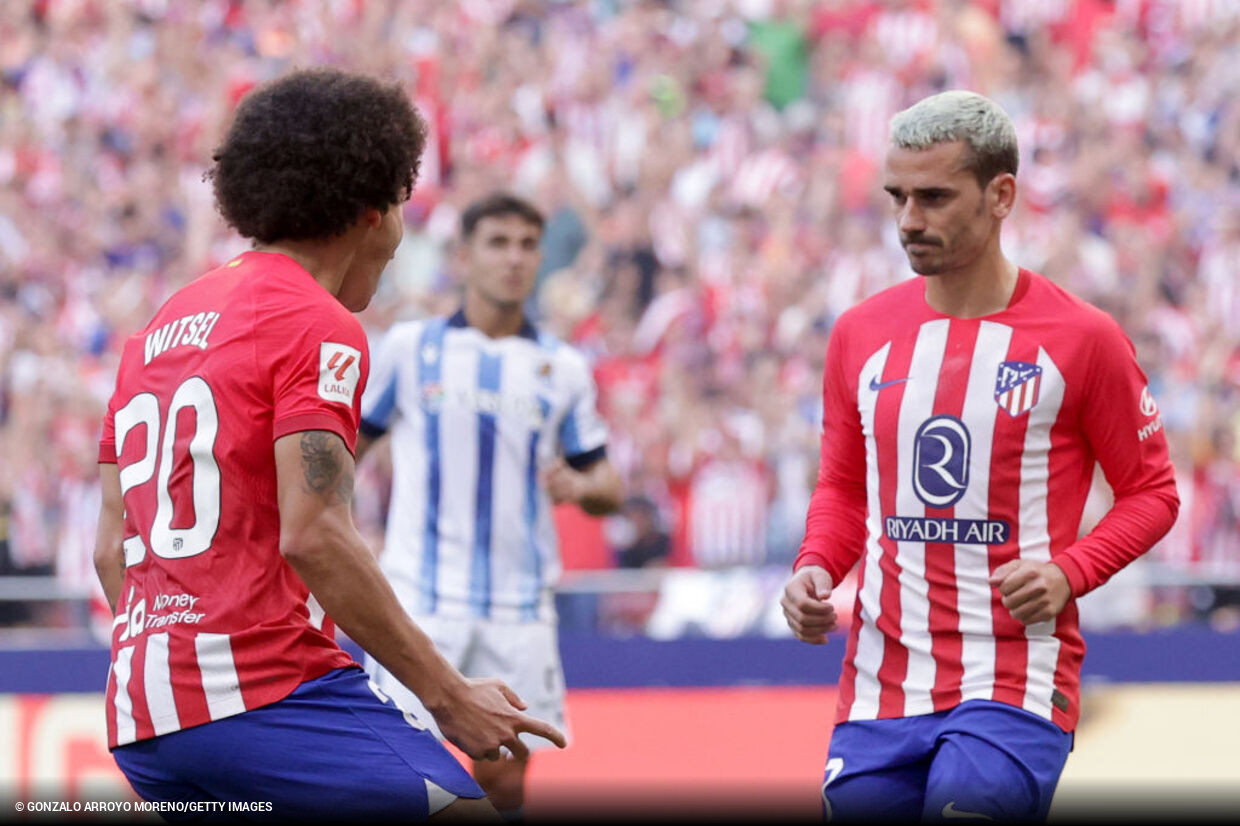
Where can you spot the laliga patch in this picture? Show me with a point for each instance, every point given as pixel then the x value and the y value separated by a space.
pixel 340 367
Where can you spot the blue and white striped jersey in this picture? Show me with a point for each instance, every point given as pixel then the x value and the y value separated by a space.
pixel 473 420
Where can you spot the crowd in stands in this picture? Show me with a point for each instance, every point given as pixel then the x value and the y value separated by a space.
pixel 710 172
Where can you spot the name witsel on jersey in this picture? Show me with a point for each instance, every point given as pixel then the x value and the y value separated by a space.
pixel 191 329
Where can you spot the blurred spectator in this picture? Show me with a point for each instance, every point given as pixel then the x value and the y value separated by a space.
pixel 12 612
pixel 638 537
pixel 711 173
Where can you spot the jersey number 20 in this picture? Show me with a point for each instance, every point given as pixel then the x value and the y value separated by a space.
pixel 157 462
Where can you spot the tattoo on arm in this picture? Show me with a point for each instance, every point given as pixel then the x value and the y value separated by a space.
pixel 325 469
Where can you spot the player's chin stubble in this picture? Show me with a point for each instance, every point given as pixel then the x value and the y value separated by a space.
pixel 924 265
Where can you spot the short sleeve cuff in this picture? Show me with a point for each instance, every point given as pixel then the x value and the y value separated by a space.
pixel 107 453
pixel 581 461
pixel 315 421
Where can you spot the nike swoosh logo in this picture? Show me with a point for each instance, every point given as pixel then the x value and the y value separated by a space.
pixel 950 811
pixel 876 386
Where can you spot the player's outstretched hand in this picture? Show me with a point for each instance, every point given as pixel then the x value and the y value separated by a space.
pixel 1032 591
pixel 488 716
pixel 805 605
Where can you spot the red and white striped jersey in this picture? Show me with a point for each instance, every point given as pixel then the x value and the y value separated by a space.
pixel 905 35
pixel 728 503
pixel 763 175
pixel 211 620
pixel 952 446
pixel 869 96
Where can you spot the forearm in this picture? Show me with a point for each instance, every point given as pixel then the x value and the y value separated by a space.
pixel 339 569
pixel 834 530
pixel 1129 529
pixel 603 491
pixel 109 556
pixel 362 447
pixel 111 573
pixel 321 543
pixel 1121 426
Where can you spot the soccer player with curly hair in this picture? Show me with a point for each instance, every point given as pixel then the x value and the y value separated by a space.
pixel 226 544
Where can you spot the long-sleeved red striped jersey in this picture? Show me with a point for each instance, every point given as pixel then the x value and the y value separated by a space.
pixel 952 446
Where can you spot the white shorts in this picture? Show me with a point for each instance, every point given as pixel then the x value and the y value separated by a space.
pixel 525 655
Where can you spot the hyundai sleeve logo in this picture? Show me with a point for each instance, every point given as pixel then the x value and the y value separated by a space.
pixel 1149 408
pixel 941 461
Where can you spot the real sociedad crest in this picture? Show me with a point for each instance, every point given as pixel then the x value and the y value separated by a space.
pixel 1017 387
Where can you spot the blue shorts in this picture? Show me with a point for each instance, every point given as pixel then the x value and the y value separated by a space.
pixel 979 760
pixel 330 749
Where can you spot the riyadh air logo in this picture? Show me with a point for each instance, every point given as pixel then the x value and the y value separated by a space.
pixel 1017 387
pixel 941 461
pixel 340 367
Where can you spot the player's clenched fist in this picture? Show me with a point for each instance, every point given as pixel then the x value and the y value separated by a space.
pixel 805 605
pixel 488 715
pixel 1032 591
pixel 563 484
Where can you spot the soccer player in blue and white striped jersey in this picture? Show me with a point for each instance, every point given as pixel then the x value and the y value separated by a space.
pixel 492 422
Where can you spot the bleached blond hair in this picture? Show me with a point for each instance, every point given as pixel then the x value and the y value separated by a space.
pixel 961 116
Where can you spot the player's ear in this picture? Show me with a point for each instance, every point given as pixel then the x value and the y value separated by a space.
pixel 372 218
pixel 1001 194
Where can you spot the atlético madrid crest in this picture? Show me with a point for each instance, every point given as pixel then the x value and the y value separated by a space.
pixel 1017 387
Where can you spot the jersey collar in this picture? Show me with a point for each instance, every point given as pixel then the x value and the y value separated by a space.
pixel 527 329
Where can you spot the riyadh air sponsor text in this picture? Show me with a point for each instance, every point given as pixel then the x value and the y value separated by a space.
pixel 947 531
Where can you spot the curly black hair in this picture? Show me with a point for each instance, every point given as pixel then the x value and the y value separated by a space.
pixel 309 151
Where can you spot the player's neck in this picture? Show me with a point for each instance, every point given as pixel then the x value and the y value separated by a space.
pixel 491 319
pixel 327 262
pixel 982 289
